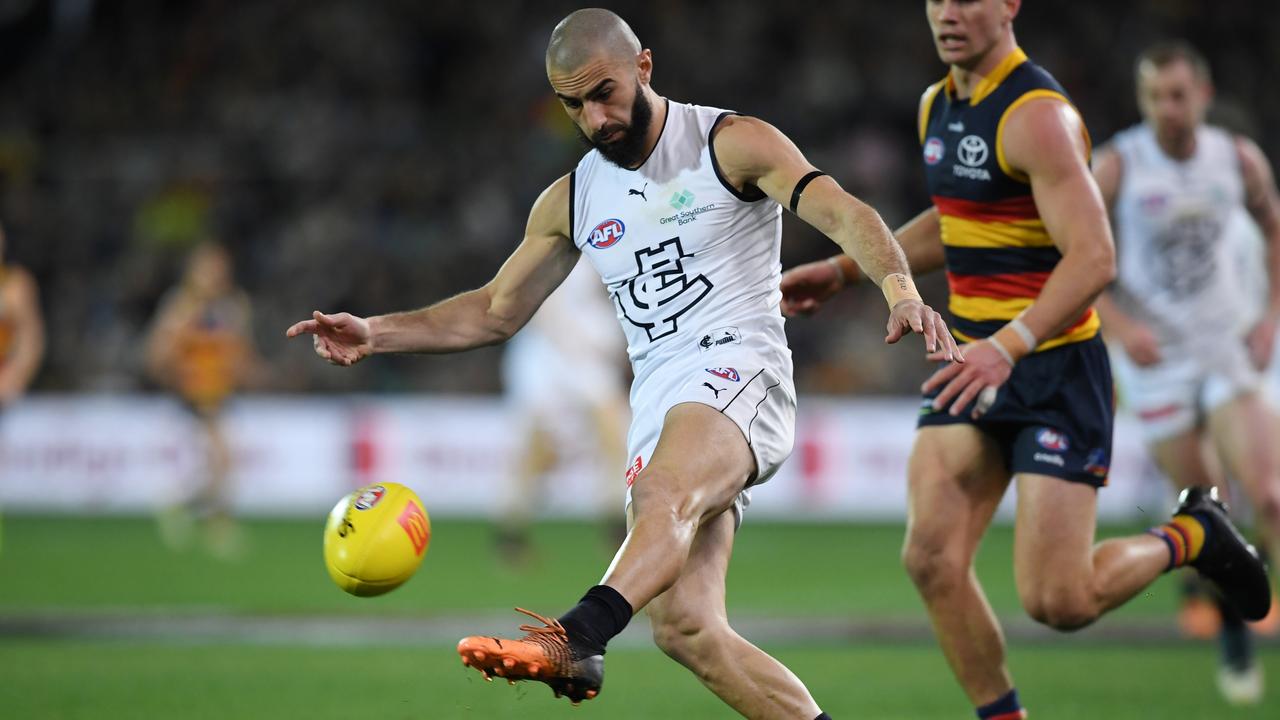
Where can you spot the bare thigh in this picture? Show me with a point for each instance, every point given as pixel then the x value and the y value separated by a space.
pixel 955 480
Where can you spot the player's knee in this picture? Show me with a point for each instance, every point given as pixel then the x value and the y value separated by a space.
pixel 1064 611
pixel 932 566
pixel 660 493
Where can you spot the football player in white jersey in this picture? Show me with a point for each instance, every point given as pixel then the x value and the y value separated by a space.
pixel 563 377
pixel 678 207
pixel 1189 342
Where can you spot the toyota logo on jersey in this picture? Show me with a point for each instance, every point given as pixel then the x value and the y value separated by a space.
pixel 933 151
pixel 606 234
pixel 972 151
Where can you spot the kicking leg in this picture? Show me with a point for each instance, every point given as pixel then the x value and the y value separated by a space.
pixel 700 464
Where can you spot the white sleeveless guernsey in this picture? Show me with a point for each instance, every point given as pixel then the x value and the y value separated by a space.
pixel 1176 262
pixel 1180 225
pixel 693 268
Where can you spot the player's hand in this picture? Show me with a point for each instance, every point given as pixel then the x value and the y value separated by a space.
pixel 342 338
pixel 910 316
pixel 806 287
pixel 1141 345
pixel 979 378
pixel 1262 341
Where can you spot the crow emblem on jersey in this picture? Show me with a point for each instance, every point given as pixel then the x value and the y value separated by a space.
pixel 607 234
pixel 661 291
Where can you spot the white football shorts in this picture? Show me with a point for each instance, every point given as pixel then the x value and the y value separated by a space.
pixel 759 400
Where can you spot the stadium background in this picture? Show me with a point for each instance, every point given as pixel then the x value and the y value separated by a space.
pixel 376 156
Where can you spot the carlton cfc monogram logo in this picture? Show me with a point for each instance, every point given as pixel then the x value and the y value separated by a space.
pixel 606 234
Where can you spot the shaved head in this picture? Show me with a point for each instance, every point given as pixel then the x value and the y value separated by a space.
pixel 589 34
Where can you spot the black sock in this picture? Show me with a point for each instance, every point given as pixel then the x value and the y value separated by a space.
pixel 601 614
pixel 823 716
pixel 1235 639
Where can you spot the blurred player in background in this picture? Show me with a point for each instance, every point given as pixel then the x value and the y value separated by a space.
pixel 563 376
pixel 1192 341
pixel 200 347
pixel 679 209
pixel 1018 224
pixel 21 330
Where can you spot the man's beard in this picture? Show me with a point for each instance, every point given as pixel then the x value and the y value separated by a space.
pixel 629 150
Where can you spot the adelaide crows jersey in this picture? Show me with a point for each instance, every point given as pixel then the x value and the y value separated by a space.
pixel 998 252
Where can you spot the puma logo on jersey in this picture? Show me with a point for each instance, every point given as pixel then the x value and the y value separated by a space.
pixel 639 192
pixel 956 127
pixel 713 389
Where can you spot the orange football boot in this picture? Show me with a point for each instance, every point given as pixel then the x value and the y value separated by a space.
pixel 544 655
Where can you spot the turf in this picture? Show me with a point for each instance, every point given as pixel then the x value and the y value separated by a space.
pixel 73 680
pixel 825 569
pixel 55 567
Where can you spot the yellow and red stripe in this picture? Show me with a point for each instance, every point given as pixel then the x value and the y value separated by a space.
pixel 999 256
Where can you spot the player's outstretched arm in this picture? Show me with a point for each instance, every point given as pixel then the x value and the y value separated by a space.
pixel 485 316
pixel 752 152
pixel 806 287
pixel 1263 201
pixel 23 301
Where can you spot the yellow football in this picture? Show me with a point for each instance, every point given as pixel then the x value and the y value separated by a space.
pixel 375 538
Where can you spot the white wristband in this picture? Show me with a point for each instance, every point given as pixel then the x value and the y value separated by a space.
pixel 1000 348
pixel 1024 333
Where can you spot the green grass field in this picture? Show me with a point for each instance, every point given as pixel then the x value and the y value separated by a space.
pixel 98 620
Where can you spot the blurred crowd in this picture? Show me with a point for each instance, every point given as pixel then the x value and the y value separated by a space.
pixel 373 156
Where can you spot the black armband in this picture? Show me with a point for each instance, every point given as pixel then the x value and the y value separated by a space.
pixel 800 186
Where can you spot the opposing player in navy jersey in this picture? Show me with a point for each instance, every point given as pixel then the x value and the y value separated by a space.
pixel 1190 344
pixel 1018 224
pixel 678 207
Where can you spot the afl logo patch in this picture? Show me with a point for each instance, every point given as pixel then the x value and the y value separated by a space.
pixel 369 497
pixel 606 234
pixel 727 373
pixel 972 151
pixel 1052 440
pixel 933 151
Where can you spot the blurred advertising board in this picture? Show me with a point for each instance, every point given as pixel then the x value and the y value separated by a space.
pixel 297 456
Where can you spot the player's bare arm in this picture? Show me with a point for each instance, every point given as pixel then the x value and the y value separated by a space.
pixel 806 287
pixel 23 301
pixel 1138 339
pixel 752 152
pixel 1045 140
pixel 1263 202
pixel 485 316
